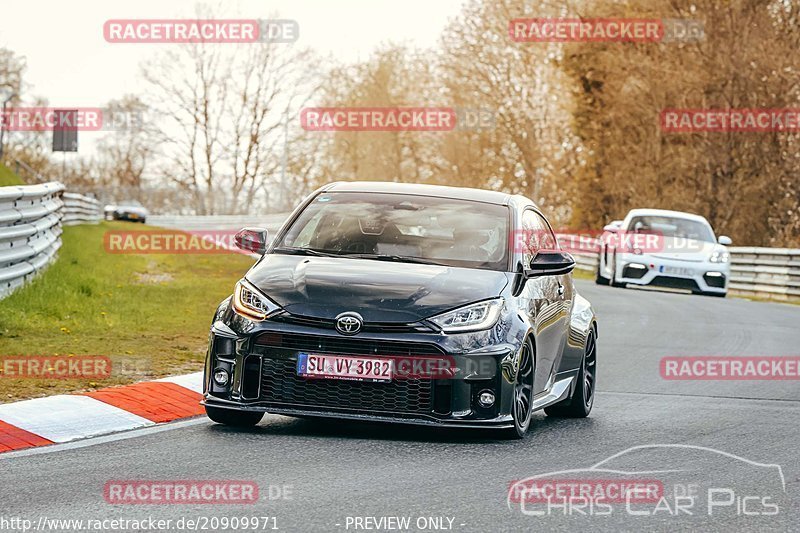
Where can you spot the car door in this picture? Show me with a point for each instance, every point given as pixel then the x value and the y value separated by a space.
pixel 547 299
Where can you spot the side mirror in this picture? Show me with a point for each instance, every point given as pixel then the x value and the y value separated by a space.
pixel 252 240
pixel 613 227
pixel 550 263
pixel 724 240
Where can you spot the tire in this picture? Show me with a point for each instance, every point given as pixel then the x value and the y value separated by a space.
pixel 580 403
pixel 599 279
pixel 522 404
pixel 230 417
pixel 613 281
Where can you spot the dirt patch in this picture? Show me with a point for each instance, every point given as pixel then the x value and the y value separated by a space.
pixel 152 278
pixel 152 275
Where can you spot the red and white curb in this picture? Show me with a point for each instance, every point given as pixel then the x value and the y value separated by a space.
pixel 68 417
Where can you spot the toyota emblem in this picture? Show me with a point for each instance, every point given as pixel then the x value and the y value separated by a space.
pixel 349 323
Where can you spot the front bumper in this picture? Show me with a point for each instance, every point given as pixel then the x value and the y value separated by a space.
pixel 261 360
pixel 499 422
pixel 696 276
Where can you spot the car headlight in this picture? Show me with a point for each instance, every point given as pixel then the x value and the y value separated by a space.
pixel 250 303
pixel 719 257
pixel 473 317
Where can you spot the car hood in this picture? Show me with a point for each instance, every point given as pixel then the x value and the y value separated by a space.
pixel 380 291
pixel 686 250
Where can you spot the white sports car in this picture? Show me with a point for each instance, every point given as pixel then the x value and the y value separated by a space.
pixel 666 249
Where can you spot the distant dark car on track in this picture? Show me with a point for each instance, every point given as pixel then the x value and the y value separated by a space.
pixel 404 303
pixel 130 210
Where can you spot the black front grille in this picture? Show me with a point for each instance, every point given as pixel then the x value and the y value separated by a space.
pixel 344 345
pixel 379 327
pixel 280 384
pixel 715 281
pixel 633 272
pixel 675 283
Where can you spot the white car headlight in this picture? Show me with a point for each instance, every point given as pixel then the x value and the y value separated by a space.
pixel 250 303
pixel 719 257
pixel 473 317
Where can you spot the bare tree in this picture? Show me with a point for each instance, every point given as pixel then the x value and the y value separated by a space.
pixel 126 151
pixel 525 146
pixel 220 108
pixel 531 148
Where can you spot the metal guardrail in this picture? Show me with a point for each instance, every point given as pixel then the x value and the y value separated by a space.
pixel 772 273
pixel 766 272
pixel 585 261
pixel 218 222
pixel 80 209
pixel 30 231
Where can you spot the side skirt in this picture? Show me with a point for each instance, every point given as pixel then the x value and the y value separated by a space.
pixel 558 391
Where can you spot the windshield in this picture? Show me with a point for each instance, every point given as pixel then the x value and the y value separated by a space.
pixel 672 227
pixel 401 227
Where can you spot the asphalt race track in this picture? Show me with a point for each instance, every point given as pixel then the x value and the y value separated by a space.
pixel 336 472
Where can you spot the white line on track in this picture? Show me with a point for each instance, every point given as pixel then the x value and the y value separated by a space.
pixel 141 432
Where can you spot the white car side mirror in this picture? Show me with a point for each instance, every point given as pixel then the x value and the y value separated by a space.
pixel 724 240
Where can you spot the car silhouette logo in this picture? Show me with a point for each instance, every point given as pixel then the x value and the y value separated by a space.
pixel 349 323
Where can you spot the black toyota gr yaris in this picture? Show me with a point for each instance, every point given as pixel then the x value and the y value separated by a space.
pixel 417 304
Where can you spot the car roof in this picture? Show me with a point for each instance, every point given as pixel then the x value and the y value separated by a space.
pixel 666 212
pixel 439 191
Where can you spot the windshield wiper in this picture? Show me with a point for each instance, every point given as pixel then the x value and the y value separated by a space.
pixel 355 255
pixel 392 258
pixel 303 251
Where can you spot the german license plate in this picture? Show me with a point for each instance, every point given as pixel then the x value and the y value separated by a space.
pixel 678 271
pixel 313 365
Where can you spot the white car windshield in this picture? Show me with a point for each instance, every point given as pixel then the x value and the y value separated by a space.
pixel 667 226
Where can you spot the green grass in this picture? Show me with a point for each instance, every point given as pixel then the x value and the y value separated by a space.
pixel 149 313
pixel 582 274
pixel 9 178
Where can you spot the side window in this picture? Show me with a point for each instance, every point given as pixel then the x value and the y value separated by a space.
pixel 303 238
pixel 536 235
